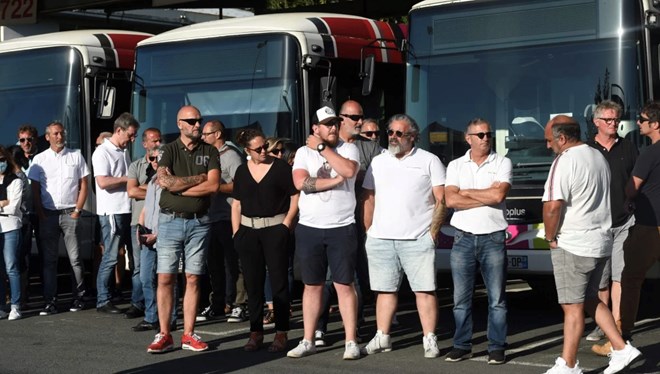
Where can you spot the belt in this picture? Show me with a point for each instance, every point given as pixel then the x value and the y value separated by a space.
pixel 471 234
pixel 262 222
pixel 54 212
pixel 185 215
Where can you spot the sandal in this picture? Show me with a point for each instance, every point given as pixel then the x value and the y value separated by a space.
pixel 255 342
pixel 269 318
pixel 279 342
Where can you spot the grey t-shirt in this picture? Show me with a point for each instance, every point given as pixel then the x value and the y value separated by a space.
pixel 137 170
pixel 230 160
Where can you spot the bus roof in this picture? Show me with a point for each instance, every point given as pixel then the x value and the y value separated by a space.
pixel 121 43
pixel 432 3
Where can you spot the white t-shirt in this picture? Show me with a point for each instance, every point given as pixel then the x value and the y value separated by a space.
pixel 111 161
pixel 404 193
pixel 580 176
pixel 466 174
pixel 331 208
pixel 59 175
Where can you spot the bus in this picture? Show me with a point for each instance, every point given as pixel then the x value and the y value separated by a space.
pixel 518 63
pixel 79 78
pixel 270 72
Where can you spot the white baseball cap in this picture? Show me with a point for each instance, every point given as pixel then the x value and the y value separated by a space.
pixel 326 114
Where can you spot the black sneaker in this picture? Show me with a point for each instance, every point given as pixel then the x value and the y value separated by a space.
pixel 496 357
pixel 208 314
pixel 48 310
pixel 238 314
pixel 458 354
pixel 76 306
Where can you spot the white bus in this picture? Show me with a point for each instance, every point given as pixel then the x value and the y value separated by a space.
pixel 517 63
pixel 270 71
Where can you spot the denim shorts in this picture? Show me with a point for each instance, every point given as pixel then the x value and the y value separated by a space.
pixel 318 249
pixel 389 259
pixel 577 278
pixel 181 237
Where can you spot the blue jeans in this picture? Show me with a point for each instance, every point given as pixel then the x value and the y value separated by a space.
pixel 10 257
pixel 113 234
pixel 180 238
pixel 149 281
pixel 51 228
pixel 489 253
pixel 137 295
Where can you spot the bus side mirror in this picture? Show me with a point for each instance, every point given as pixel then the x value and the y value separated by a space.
pixel 106 106
pixel 367 74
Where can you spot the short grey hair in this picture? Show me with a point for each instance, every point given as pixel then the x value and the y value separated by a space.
pixel 407 119
pixel 605 105
pixel 126 120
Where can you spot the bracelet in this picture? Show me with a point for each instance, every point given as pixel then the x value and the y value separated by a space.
pixel 550 240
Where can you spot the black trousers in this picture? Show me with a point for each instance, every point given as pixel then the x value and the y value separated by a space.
pixel 258 248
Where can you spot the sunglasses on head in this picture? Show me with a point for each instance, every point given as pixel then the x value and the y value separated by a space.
pixel 369 133
pixel 192 121
pixel 258 149
pixel 353 117
pixel 276 151
pixel 397 133
pixel 23 140
pixel 481 135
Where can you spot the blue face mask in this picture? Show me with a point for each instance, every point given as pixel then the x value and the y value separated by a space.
pixel 3 166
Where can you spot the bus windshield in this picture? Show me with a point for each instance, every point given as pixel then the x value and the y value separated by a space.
pixel 247 81
pixel 38 87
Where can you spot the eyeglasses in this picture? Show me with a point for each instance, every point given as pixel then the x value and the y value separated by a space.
pixel 353 117
pixel 643 119
pixel 397 133
pixel 609 120
pixel 205 133
pixel 192 121
pixel 369 134
pixel 23 140
pixel 258 149
pixel 481 135
pixel 276 151
pixel 152 158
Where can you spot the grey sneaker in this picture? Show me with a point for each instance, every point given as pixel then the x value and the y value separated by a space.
pixel 430 342
pixel 623 358
pixel 379 343
pixel 596 335
pixel 319 338
pixel 352 351
pixel 304 348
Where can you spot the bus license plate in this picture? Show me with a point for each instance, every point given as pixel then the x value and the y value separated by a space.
pixel 517 262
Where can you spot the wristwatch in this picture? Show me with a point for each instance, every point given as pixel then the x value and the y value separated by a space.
pixel 550 240
pixel 76 210
pixel 320 147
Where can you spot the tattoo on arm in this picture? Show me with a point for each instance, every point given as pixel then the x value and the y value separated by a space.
pixel 309 185
pixel 165 179
pixel 194 179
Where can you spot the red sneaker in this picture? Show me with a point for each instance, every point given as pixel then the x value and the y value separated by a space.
pixel 162 343
pixel 193 342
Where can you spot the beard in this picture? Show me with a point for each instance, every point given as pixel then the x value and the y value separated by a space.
pixel 394 149
pixel 332 141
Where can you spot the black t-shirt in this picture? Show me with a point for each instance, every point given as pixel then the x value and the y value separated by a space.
pixel 621 158
pixel 647 202
pixel 268 198
pixel 184 163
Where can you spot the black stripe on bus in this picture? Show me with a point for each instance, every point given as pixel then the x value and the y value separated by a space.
pixel 108 50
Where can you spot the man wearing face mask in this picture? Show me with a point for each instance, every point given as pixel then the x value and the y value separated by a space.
pixel 59 189
pixel 139 172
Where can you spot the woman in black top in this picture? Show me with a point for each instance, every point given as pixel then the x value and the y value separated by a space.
pixel 264 206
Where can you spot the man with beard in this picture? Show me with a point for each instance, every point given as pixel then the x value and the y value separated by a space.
pixel 408 183
pixel 189 174
pixel 477 184
pixel 325 170
pixel 59 189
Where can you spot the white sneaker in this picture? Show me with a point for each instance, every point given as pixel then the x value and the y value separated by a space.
pixel 621 359
pixel 561 368
pixel 352 351
pixel 319 338
pixel 304 348
pixel 430 342
pixel 3 314
pixel 379 343
pixel 14 313
pixel 595 335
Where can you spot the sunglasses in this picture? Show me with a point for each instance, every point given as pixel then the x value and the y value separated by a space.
pixel 397 133
pixel 152 158
pixel 481 135
pixel 192 121
pixel 642 119
pixel 369 134
pixel 609 120
pixel 23 140
pixel 258 149
pixel 353 117
pixel 276 151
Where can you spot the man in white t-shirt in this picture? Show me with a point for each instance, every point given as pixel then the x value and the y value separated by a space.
pixel 325 170
pixel 577 219
pixel 110 162
pixel 407 183
pixel 477 184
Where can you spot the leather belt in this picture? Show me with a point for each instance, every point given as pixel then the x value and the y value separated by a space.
pixel 184 215
pixel 51 212
pixel 262 222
